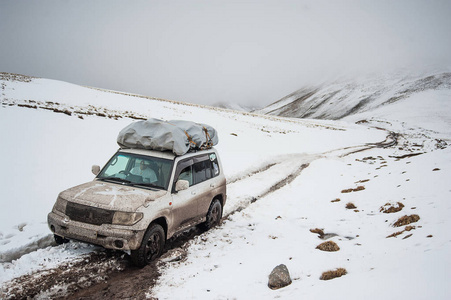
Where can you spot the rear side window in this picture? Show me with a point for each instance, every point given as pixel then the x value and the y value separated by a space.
pixel 202 171
pixel 203 168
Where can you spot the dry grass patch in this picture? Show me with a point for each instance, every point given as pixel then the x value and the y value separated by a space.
pixel 318 231
pixel 395 234
pixel 359 188
pixel 363 181
pixel 336 200
pixel 350 205
pixel 407 236
pixel 329 246
pixel 405 220
pixel 333 274
pixel 408 228
pixel 389 208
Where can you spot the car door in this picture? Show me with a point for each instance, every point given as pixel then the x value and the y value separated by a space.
pixel 202 173
pixel 184 203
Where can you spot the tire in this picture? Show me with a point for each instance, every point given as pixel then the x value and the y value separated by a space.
pixel 60 240
pixel 151 247
pixel 214 215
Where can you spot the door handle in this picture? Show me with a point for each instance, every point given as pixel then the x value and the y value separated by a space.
pixel 193 193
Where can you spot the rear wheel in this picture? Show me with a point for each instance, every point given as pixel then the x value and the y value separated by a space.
pixel 214 215
pixel 151 247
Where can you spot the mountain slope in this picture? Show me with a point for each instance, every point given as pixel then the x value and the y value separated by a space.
pixel 341 99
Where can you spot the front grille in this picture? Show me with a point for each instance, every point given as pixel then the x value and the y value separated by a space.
pixel 88 214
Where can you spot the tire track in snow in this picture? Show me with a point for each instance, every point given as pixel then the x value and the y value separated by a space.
pixel 261 187
pixel 391 140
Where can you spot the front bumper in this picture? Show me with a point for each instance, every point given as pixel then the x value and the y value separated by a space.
pixel 105 235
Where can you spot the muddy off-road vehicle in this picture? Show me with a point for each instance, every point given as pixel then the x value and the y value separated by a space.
pixel 141 198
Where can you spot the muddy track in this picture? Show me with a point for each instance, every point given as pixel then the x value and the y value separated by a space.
pixel 67 278
pixel 120 285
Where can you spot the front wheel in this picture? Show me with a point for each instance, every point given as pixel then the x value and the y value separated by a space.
pixel 151 246
pixel 214 215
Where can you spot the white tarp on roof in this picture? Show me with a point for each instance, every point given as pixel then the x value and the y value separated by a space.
pixel 177 136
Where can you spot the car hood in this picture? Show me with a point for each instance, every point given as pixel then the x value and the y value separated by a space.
pixel 111 196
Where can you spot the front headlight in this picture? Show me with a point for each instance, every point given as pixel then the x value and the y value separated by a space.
pixel 60 205
pixel 126 218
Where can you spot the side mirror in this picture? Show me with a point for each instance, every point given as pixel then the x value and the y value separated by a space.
pixel 95 169
pixel 181 185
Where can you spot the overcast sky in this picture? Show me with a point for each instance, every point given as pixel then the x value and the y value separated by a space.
pixel 248 52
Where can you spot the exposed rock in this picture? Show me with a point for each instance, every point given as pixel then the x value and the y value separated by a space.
pixel 279 277
pixel 322 235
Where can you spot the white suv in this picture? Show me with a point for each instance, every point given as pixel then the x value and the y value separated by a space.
pixel 140 199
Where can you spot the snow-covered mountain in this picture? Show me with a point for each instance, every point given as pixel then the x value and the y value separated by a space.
pixel 375 183
pixel 343 98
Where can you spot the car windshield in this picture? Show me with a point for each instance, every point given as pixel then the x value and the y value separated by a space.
pixel 139 170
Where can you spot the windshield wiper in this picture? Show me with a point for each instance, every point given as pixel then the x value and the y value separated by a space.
pixel 116 179
pixel 147 185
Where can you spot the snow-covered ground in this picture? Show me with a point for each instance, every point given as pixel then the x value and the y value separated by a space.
pixel 285 178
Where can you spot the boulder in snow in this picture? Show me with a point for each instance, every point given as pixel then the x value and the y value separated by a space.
pixel 279 277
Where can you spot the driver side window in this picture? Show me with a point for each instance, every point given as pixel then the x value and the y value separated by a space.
pixel 187 174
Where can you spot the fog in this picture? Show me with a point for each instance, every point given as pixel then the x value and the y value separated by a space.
pixel 247 52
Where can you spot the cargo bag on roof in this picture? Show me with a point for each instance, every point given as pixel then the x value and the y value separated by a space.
pixel 177 136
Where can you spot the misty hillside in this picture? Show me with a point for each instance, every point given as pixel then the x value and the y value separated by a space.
pixel 345 98
pixel 235 106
